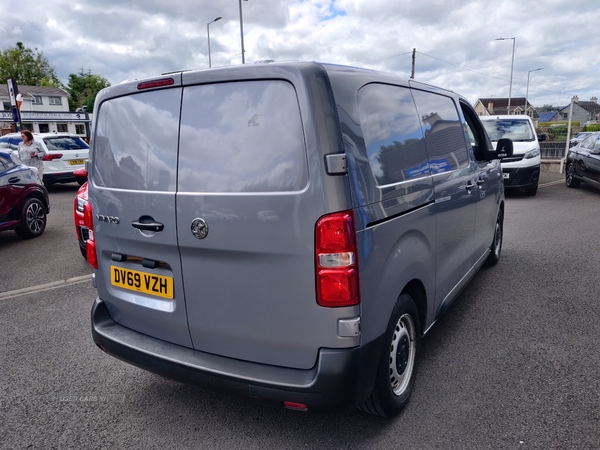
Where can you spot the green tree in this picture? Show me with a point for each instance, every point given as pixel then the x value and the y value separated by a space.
pixel 27 67
pixel 83 88
pixel 547 108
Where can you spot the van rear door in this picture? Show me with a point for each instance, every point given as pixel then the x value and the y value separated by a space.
pixel 245 218
pixel 132 190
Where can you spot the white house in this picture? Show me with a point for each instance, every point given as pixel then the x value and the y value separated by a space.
pixel 43 110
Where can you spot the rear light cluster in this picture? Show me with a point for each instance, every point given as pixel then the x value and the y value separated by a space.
pixel 90 244
pixel 336 265
pixel 50 157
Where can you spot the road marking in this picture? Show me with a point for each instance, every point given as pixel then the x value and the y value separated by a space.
pixel 45 287
pixel 552 183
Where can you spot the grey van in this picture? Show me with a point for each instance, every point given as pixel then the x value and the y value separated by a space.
pixel 286 232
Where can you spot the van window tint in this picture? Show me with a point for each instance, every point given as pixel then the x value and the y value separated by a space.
pixel 241 137
pixel 444 135
pixel 143 153
pixel 392 133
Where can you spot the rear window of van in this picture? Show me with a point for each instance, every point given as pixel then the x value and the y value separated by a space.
pixel 241 137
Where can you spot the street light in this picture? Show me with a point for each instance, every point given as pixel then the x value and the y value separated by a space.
pixel 527 91
pixel 512 64
pixel 208 33
pixel 242 32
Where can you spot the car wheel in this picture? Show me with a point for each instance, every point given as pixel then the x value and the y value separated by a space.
pixel 531 191
pixel 570 179
pixel 397 367
pixel 33 219
pixel 496 247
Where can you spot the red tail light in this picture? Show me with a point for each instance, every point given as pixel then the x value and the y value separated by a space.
pixel 336 265
pixel 50 157
pixel 90 244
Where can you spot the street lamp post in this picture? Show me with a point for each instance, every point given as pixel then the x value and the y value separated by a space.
pixel 242 32
pixel 512 64
pixel 527 91
pixel 208 33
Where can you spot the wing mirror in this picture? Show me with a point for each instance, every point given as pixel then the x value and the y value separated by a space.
pixel 504 148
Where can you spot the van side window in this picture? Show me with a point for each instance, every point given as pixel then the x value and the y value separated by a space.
pixel 475 133
pixel 392 133
pixel 444 135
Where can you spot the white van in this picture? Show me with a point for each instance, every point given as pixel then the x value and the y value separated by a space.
pixel 522 170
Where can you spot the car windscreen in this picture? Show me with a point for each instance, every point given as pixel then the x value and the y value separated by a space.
pixel 63 143
pixel 518 130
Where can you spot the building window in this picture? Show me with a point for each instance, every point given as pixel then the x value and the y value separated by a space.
pixel 55 100
pixel 565 115
pixel 28 126
pixel 44 128
pixel 7 106
pixel 79 129
pixel 36 100
pixel 62 127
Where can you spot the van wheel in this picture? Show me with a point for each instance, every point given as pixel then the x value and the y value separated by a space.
pixel 570 180
pixel 33 219
pixel 398 362
pixel 496 247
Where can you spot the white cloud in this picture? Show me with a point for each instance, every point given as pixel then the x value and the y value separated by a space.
pixel 454 39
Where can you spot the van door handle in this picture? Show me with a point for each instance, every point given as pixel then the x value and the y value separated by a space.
pixel 14 180
pixel 480 182
pixel 148 226
pixel 469 186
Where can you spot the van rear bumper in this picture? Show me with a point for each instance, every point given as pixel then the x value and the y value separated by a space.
pixel 340 380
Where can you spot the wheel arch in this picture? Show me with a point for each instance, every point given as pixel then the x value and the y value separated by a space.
pixel 417 291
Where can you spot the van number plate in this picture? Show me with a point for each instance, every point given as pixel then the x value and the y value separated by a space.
pixel 506 175
pixel 144 282
pixel 76 162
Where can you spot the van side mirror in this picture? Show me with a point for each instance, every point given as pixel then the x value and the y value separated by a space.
pixel 504 148
pixel 542 137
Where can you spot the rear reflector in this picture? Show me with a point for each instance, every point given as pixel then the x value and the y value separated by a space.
pixel 295 406
pixel 90 249
pixel 336 265
pixel 156 83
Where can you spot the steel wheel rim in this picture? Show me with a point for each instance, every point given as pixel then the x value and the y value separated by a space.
pixel 402 354
pixel 35 217
pixel 497 238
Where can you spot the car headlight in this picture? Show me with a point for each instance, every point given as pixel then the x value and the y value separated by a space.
pixel 532 153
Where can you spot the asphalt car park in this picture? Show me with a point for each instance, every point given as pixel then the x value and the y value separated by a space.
pixel 511 365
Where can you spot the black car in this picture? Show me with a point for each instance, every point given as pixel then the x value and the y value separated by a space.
pixel 583 162
pixel 24 202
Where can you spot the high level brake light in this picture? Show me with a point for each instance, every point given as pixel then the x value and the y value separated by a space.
pixel 90 244
pixel 155 83
pixel 336 265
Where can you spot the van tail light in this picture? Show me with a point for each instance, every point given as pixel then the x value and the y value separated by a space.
pixel 336 264
pixel 50 157
pixel 90 244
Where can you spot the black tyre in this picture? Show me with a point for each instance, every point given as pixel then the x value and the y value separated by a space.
pixel 81 182
pixel 397 368
pixel 570 179
pixel 83 252
pixel 531 191
pixel 496 247
pixel 33 219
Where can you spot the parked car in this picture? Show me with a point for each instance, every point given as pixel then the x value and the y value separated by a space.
pixel 522 170
pixel 24 202
pixel 365 204
pixel 583 162
pixel 579 137
pixel 78 208
pixel 64 153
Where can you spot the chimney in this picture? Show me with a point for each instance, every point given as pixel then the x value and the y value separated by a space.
pixel 594 99
pixel 491 107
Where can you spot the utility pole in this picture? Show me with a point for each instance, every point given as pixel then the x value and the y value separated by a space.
pixel 412 72
pixel 564 158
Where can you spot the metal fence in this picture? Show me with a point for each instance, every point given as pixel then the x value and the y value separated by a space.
pixel 552 149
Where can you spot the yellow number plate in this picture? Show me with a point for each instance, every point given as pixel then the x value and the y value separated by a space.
pixel 147 283
pixel 76 162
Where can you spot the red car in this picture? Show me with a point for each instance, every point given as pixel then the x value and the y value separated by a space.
pixel 24 202
pixel 80 200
